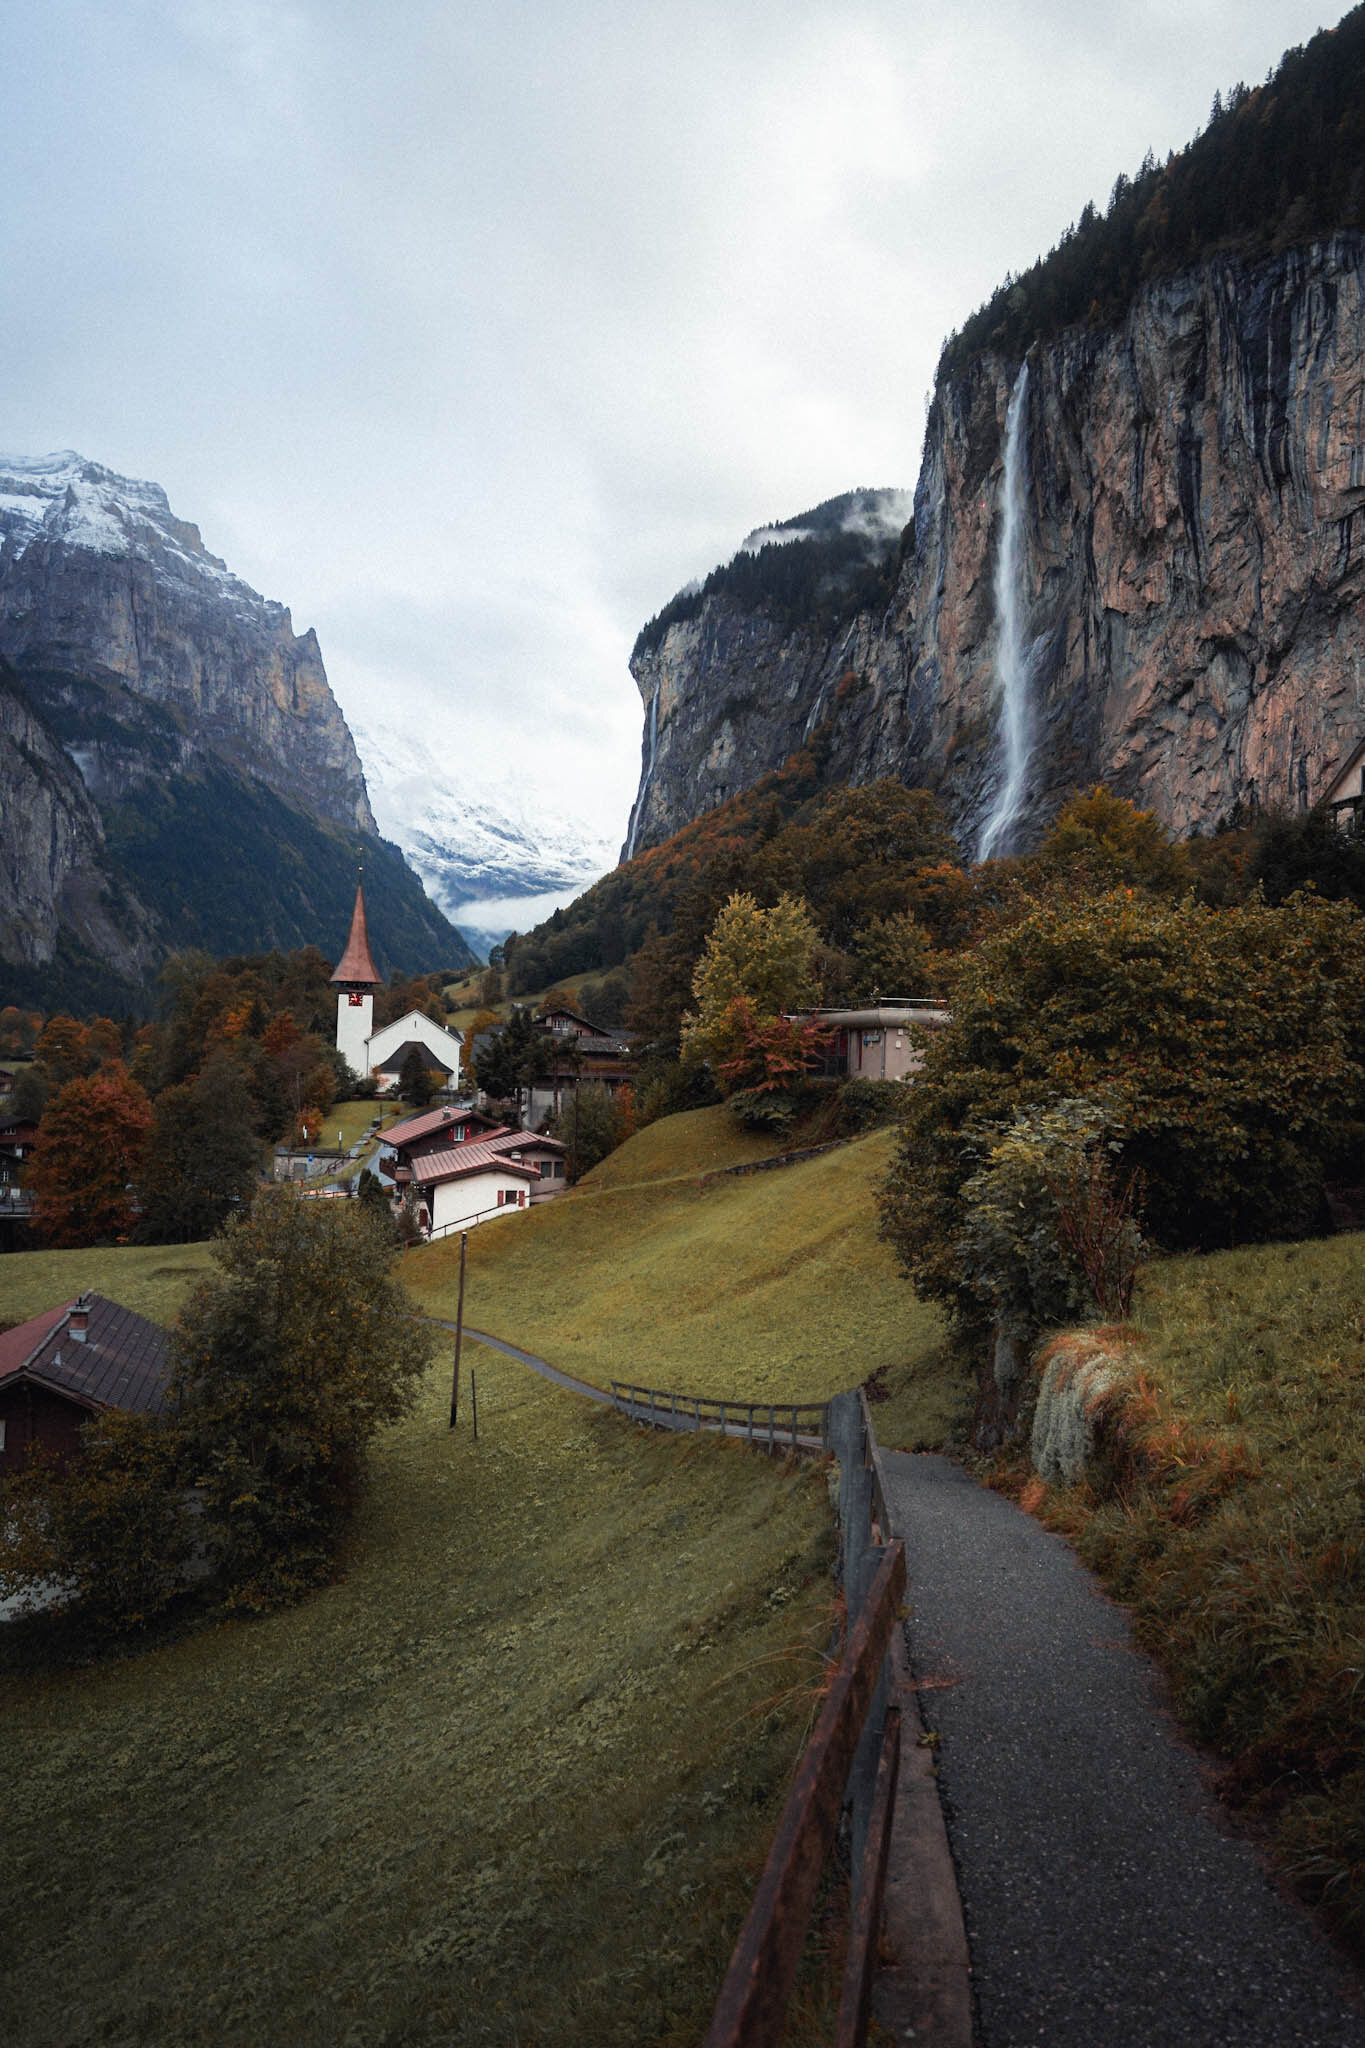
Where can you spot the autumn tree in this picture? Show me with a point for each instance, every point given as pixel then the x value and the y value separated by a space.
pixel 86 1157
pixel 1227 1047
pixel 760 955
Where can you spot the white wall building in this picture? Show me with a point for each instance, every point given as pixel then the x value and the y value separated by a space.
pixel 367 1051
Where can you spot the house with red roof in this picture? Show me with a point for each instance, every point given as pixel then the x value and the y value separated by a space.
pixel 68 1364
pixel 455 1168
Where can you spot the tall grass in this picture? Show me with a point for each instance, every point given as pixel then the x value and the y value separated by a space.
pixel 1229 1512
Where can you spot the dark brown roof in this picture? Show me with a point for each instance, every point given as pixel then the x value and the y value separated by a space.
pixel 430 1120
pixel 121 1363
pixel 356 969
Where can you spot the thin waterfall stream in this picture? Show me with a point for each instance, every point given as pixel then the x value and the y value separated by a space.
pixel 1014 653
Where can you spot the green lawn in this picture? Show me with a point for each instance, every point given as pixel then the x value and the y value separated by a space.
pixel 696 1141
pixel 765 1287
pixel 152 1279
pixel 510 1780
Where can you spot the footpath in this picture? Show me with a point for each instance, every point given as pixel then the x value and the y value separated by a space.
pixel 1105 1903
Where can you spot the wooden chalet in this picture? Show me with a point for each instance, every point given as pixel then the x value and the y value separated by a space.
pixel 68 1364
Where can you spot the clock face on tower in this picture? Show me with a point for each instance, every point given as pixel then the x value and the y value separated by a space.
pixel 355 1000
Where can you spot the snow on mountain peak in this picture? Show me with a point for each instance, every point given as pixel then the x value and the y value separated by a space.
pixel 493 861
pixel 65 497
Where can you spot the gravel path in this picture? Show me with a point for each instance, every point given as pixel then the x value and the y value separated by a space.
pixel 1105 1906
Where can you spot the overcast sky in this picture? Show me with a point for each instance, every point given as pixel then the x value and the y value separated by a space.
pixel 472 332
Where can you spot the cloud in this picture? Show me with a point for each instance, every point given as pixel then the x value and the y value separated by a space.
pixel 474 334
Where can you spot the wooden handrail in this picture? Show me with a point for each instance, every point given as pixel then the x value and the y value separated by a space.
pixel 758 1985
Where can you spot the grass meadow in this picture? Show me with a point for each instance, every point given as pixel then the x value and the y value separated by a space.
pixel 512 1777
pixel 765 1287
pixel 1229 1514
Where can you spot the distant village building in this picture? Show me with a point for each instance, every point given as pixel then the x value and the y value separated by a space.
pixel 456 1168
pixel 382 1053
pixel 68 1364
pixel 878 1041
pixel 582 1052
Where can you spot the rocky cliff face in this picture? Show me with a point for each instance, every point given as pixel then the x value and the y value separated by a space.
pixel 100 580
pixel 53 870
pixel 1190 578
pixel 174 769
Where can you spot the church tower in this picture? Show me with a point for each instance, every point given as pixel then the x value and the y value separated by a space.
pixel 355 981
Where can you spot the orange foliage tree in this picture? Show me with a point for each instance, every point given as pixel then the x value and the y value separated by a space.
pixel 86 1155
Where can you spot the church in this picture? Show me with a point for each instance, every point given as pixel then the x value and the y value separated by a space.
pixel 382 1053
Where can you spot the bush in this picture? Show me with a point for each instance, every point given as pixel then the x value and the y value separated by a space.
pixel 111 1528
pixel 1228 1046
pixel 284 1367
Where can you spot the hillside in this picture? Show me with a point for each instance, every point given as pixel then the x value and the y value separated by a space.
pixel 765 1287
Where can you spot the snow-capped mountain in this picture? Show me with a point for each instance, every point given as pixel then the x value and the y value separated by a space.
pixel 494 864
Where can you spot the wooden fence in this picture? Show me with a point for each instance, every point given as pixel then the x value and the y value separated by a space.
pixel 769 1426
pixel 851 1762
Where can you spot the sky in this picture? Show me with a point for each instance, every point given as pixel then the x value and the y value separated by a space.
pixel 473 332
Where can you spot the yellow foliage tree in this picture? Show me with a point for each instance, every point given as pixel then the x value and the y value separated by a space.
pixel 761 955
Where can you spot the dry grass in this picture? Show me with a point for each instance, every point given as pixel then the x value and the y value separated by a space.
pixel 1228 1511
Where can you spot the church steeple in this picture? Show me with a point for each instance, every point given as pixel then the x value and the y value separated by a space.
pixel 356 969
pixel 354 981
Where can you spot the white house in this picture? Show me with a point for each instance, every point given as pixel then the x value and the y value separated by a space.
pixel 367 1051
pixel 469 1184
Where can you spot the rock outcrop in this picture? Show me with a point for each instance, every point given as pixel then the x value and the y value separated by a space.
pixel 1192 575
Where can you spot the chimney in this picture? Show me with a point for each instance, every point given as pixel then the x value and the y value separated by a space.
pixel 79 1319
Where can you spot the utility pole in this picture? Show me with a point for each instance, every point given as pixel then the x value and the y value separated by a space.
pixel 459 1332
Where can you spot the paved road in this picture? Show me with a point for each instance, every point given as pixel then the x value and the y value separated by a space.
pixel 1105 1907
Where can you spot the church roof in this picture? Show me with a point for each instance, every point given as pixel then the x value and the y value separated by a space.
pixel 356 969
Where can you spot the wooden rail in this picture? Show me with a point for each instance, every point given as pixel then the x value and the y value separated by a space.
pixel 770 1426
pixel 753 2002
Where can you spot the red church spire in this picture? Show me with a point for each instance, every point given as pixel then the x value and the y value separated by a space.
pixel 356 969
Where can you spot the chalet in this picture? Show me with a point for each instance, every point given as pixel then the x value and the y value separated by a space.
pixel 582 1052
pixel 878 1041
pixel 469 1184
pixel 434 1130
pixel 71 1363
pixel 455 1168
pixel 382 1053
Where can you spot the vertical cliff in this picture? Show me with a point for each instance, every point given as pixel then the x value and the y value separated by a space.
pixel 100 580
pixel 1191 576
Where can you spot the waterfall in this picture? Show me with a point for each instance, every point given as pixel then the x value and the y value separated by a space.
pixel 1014 652
pixel 637 808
